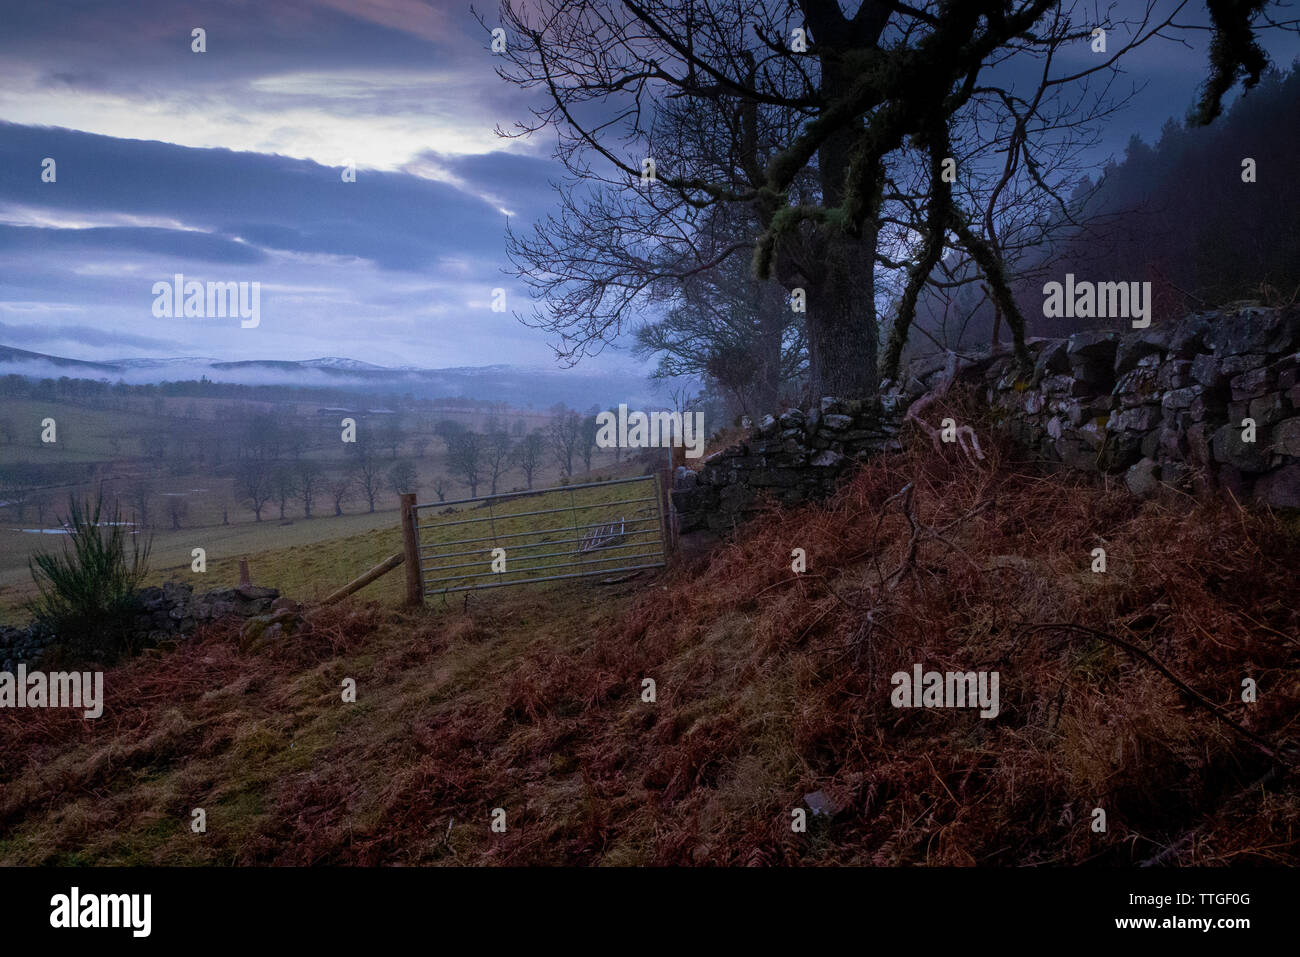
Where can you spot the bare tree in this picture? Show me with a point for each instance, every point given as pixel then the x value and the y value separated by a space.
pixel 390 437
pixel 253 485
pixel 496 457
pixel 341 488
pixel 465 456
pixel 366 473
pixel 725 325
pixel 140 494
pixel 14 493
pixel 284 485
pixel 262 435
pixel 565 433
pixel 311 484
pixel 1017 160
pixel 829 145
pixel 528 455
pixel 42 502
pixel 402 478
pixel 177 508
pixel 587 440
pixel 447 430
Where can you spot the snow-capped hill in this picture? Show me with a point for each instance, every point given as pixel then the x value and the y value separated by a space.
pixel 336 362
pixel 152 363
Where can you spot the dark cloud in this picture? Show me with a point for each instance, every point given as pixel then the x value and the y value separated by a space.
pixel 163 242
pixel 397 267
pixel 397 220
pixel 523 183
pixel 85 335
pixel 105 45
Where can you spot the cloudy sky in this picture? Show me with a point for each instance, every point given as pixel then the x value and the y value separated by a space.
pixel 225 166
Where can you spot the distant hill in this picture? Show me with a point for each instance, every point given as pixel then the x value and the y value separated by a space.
pixel 516 385
pixel 10 355
pixel 1182 216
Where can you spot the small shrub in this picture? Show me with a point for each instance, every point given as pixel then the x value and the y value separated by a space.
pixel 87 594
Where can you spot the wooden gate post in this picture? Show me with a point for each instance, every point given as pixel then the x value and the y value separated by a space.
pixel 411 551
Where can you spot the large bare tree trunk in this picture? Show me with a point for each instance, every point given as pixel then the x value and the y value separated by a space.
pixel 842 329
pixel 771 308
pixel 842 321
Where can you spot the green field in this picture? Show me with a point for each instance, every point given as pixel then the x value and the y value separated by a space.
pixel 170 465
pixel 277 553
pixel 82 433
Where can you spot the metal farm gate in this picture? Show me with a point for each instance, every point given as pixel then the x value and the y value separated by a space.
pixel 518 538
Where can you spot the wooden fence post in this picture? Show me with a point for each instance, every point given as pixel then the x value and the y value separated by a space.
pixel 667 521
pixel 411 551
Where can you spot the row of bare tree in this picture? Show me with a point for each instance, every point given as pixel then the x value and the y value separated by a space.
pixel 479 459
pixel 264 481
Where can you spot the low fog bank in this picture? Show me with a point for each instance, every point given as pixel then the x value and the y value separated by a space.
pixel 518 386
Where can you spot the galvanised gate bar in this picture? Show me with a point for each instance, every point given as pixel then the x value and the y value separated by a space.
pixel 518 538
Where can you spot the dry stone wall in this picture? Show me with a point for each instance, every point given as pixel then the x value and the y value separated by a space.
pixel 163 613
pixel 1209 403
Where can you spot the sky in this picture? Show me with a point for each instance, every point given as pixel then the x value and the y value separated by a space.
pixel 225 166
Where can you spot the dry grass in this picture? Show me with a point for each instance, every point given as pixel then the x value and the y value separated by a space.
pixel 769 685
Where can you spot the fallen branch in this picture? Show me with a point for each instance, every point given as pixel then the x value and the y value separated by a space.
pixel 1169 853
pixel 1188 691
pixel 967 440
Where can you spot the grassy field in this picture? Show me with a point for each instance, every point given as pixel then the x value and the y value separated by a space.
pixel 266 726
pixel 310 558
pixel 103 450
pixel 299 558
pixel 83 433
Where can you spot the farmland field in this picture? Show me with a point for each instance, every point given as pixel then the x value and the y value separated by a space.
pixel 308 559
pixel 290 553
pixel 172 467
